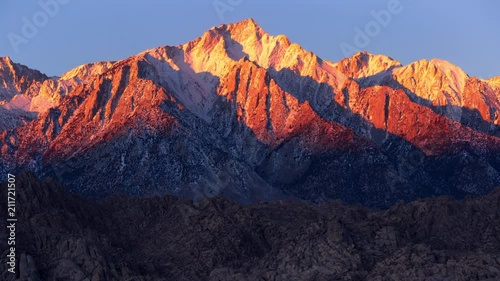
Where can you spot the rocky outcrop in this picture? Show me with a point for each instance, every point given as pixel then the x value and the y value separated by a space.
pixel 64 237
pixel 25 93
pixel 18 79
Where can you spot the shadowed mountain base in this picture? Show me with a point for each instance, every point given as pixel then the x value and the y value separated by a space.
pixel 64 237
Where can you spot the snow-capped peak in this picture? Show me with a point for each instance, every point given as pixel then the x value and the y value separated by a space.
pixel 494 82
pixel 435 80
pixel 84 71
pixel 364 64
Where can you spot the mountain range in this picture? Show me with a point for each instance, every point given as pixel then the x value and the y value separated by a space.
pixel 250 116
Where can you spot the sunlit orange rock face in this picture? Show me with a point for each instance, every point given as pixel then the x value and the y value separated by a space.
pixel 275 116
pixel 25 93
pixel 364 64
pixel 253 116
pixel 393 111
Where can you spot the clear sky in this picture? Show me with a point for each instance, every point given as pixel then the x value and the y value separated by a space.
pixel 467 33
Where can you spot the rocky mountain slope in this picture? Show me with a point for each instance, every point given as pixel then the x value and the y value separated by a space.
pixel 241 113
pixel 25 93
pixel 64 237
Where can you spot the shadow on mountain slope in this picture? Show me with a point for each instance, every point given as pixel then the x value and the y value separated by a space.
pixel 460 170
pixel 470 117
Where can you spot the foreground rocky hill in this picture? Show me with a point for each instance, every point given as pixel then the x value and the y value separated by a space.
pixel 63 237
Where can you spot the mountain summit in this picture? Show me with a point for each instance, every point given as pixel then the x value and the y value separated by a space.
pixel 240 113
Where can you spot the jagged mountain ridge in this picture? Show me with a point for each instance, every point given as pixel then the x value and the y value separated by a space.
pixel 27 93
pixel 437 84
pixel 243 113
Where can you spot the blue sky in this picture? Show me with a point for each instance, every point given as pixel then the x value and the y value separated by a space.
pixel 467 33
